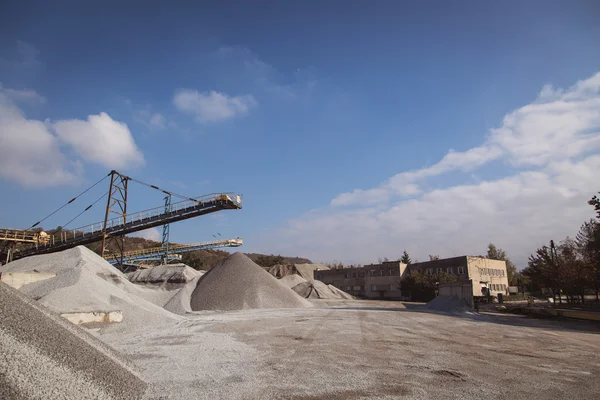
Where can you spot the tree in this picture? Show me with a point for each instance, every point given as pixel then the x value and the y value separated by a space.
pixel 433 258
pixel 495 253
pixel 420 286
pixel 561 270
pixel 588 244
pixel 269 261
pixel 595 202
pixel 405 258
pixel 385 259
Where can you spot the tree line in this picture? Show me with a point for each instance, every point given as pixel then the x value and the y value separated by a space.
pixel 570 268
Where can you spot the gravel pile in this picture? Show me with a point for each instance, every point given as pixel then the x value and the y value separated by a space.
pixel 279 270
pixel 238 283
pixel 85 282
pixel 307 271
pixel 170 273
pixel 292 280
pixel 43 356
pixel 448 304
pixel 180 302
pixel 318 290
pixel 341 293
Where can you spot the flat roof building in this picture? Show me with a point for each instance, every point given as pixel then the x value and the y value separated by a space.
pixel 383 281
pixel 486 274
pixel 375 281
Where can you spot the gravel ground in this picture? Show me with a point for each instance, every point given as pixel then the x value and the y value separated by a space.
pixel 43 356
pixel 353 349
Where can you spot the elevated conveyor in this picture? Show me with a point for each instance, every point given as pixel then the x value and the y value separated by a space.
pixel 156 253
pixel 135 222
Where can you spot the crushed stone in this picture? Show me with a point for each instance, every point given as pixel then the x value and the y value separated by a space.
pixel 448 304
pixel 44 356
pixel 316 289
pixel 85 282
pixel 238 283
pixel 307 271
pixel 292 280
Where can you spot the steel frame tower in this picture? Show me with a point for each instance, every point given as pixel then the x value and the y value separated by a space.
pixel 116 204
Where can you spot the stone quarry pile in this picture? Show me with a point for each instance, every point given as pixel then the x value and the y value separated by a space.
pixel 307 271
pixel 238 283
pixel 317 290
pixel 313 289
pixel 292 280
pixel 448 304
pixel 170 273
pixel 43 356
pixel 85 283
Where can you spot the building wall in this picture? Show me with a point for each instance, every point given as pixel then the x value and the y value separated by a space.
pixel 488 273
pixel 375 281
pixel 460 289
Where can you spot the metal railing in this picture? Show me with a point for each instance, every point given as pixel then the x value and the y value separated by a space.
pixel 24 236
pixel 141 216
pixel 177 248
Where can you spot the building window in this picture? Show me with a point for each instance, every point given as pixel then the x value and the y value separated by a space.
pixel 439 270
pixel 373 288
pixel 450 270
pixel 461 270
pixel 392 288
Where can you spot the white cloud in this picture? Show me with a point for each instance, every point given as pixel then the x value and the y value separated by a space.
pixel 158 120
pixel 24 96
pixel 556 138
pixel 151 120
pixel 149 234
pixel 32 150
pixel 558 125
pixel 101 140
pixel 30 154
pixel 300 84
pixel 212 106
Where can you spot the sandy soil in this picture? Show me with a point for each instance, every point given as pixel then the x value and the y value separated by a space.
pixel 351 349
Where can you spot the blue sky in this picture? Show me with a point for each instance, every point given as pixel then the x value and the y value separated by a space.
pixel 313 111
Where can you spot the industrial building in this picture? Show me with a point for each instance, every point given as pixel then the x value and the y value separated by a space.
pixel 375 281
pixel 488 276
pixel 382 281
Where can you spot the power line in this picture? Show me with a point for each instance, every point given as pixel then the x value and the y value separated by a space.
pixel 87 208
pixel 69 202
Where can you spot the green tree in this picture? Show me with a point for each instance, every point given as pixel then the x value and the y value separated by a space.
pixel 495 253
pixel 405 258
pixel 269 261
pixel 433 258
pixel 194 260
pixel 588 243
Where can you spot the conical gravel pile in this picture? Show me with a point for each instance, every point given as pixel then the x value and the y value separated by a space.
pixel 238 283
pixel 43 356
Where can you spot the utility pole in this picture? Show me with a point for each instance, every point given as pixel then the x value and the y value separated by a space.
pixel 555 262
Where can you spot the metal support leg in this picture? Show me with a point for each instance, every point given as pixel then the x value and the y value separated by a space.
pixel 165 232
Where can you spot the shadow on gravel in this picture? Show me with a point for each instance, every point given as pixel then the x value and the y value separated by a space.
pixel 554 323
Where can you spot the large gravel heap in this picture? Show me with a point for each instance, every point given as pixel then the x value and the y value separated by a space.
pixel 318 290
pixel 170 273
pixel 85 282
pixel 448 304
pixel 307 271
pixel 43 356
pixel 238 283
